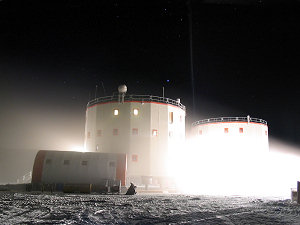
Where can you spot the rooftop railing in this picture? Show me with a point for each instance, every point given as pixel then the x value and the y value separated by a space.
pixel 138 98
pixel 229 119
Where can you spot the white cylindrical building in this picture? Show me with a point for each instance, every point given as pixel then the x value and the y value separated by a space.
pixel 229 155
pixel 144 127
pixel 239 134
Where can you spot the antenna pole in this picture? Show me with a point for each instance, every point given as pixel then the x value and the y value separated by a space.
pixel 189 5
pixel 96 91
pixel 163 90
pixel 103 88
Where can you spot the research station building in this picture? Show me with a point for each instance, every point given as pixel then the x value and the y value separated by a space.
pixel 243 135
pixel 69 167
pixel 146 128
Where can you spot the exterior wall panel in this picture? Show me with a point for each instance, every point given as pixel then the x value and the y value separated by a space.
pixel 98 167
pixel 38 166
pixel 254 137
pixel 147 155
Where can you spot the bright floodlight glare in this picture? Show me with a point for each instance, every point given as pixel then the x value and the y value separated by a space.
pixel 116 112
pixel 135 112
pixel 210 167
pixel 78 148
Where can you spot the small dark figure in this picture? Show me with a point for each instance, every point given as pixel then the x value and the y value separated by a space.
pixel 131 189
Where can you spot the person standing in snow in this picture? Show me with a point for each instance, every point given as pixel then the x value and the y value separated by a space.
pixel 131 190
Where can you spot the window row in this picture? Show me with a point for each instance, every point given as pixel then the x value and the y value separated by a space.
pixel 82 163
pixel 226 131
pixel 115 132
pixel 135 112
pixel 171 118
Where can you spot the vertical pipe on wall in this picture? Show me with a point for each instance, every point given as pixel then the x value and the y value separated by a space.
pixel 298 192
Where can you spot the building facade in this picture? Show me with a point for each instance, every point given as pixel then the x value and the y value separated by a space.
pixel 69 167
pixel 239 134
pixel 144 127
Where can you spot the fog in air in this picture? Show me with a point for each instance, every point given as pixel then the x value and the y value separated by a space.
pixel 220 58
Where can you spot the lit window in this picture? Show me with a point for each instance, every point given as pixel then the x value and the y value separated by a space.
pixel 116 112
pixel 112 164
pixel 135 131
pixel 241 130
pixel 115 131
pixel 66 162
pixel 135 112
pixel 154 133
pixel 134 158
pixel 84 163
pixel 226 130
pixel 99 133
pixel 48 161
pixel 200 132
pixel 89 135
pixel 170 117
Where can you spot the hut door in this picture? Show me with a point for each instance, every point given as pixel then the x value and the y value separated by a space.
pixel 112 170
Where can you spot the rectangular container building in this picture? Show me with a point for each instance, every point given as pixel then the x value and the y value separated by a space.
pixel 66 167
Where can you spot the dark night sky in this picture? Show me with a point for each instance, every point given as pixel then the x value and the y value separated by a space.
pixel 52 54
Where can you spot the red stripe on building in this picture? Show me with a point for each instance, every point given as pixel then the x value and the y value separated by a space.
pixel 205 124
pixel 37 170
pixel 160 103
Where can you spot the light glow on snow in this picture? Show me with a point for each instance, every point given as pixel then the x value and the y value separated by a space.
pixel 217 165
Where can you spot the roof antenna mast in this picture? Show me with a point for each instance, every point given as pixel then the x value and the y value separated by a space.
pixel 103 88
pixel 189 6
pixel 96 89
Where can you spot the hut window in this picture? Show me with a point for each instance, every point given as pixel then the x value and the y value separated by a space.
pixel 115 132
pixel 200 132
pixel 170 133
pixel 135 131
pixel 241 130
pixel 99 133
pixel 170 117
pixel 84 163
pixel 66 162
pixel 48 161
pixel 89 135
pixel 134 158
pixel 135 112
pixel 226 130
pixel 116 112
pixel 266 132
pixel 112 164
pixel 154 133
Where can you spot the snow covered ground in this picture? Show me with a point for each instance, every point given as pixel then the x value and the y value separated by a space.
pixel 25 208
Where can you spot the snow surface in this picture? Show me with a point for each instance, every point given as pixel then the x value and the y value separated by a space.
pixel 28 208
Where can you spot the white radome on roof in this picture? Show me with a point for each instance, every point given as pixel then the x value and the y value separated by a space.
pixel 122 89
